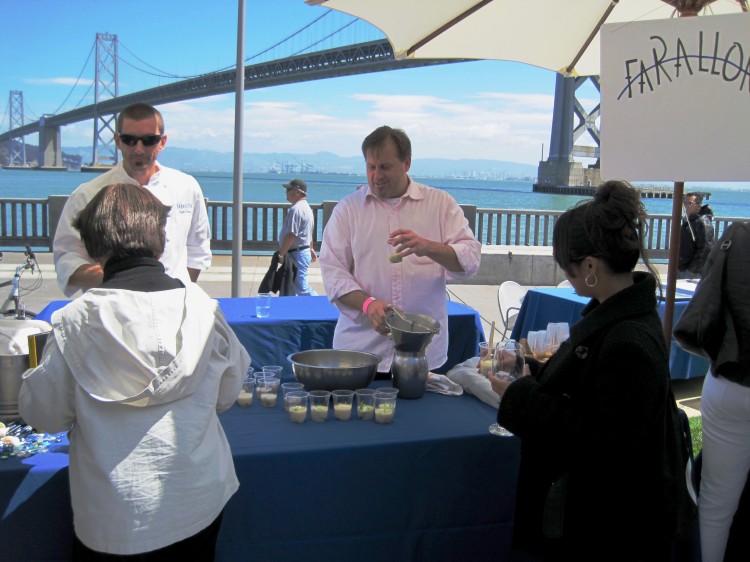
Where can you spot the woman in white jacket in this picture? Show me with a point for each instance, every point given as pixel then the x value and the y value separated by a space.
pixel 137 370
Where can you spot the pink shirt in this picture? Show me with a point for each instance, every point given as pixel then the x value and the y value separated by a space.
pixel 354 256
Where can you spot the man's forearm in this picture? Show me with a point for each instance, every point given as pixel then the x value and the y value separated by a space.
pixel 445 255
pixel 286 243
pixel 354 300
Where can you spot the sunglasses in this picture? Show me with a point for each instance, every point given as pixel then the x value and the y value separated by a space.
pixel 147 140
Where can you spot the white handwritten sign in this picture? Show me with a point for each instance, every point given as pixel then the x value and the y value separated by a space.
pixel 675 99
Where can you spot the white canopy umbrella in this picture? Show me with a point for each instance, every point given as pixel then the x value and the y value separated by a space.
pixel 559 35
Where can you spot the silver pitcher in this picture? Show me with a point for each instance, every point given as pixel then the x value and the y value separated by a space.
pixel 411 334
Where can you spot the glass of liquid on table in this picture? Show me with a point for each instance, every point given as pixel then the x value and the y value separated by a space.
pixel 509 362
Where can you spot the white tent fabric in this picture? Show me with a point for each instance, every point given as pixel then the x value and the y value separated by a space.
pixel 544 33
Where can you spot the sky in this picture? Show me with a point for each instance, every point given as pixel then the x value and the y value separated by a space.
pixel 484 109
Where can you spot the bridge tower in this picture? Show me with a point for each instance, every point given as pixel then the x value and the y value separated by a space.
pixel 17 144
pixel 560 171
pixel 106 86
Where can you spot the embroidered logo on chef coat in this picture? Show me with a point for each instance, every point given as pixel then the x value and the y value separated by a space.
pixel 183 209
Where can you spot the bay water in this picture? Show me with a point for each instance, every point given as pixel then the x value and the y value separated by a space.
pixel 267 188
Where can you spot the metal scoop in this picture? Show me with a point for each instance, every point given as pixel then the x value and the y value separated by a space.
pixel 412 323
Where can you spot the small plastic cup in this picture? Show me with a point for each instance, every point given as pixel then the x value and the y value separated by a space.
pixel 295 403
pixel 387 390
pixel 385 407
pixel 267 390
pixel 319 400
pixel 245 399
pixel 342 404
pixel 485 358
pixel 263 305
pixel 287 387
pixel 275 370
pixel 365 403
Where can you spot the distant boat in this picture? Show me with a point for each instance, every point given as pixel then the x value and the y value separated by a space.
pixel 97 168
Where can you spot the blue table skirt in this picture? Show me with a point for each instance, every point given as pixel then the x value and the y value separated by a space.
pixel 433 485
pixel 541 306
pixel 301 323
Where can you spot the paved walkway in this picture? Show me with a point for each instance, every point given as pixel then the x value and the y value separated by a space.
pixel 217 282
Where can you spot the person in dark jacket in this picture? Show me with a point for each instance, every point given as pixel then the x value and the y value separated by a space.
pixel 696 236
pixel 725 409
pixel 591 420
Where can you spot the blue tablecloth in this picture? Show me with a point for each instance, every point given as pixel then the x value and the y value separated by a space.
pixel 434 485
pixel 301 323
pixel 541 306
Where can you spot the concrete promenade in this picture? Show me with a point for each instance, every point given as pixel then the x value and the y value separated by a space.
pixel 217 282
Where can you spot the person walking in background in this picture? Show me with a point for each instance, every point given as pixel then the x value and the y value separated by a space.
pixel 725 411
pixel 136 370
pixel 592 420
pixel 140 138
pixel 390 244
pixel 296 236
pixel 696 236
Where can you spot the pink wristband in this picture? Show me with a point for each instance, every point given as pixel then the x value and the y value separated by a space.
pixel 367 303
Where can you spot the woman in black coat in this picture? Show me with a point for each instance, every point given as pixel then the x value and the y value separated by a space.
pixel 592 419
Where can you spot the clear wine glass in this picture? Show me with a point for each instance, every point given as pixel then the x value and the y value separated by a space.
pixel 509 362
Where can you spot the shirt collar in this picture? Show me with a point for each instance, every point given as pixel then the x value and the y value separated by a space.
pixel 414 191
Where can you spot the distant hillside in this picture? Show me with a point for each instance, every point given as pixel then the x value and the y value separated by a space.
pixel 327 162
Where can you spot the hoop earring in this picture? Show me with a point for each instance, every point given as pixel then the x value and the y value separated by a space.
pixel 591 285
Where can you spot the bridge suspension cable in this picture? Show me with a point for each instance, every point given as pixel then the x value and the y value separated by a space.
pixel 342 28
pixel 88 58
pixel 285 39
pixel 164 73
pixel 29 111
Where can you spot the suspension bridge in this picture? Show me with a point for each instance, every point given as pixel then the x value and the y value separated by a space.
pixel 309 62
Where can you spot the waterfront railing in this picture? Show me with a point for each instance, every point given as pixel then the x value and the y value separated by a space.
pixel 33 222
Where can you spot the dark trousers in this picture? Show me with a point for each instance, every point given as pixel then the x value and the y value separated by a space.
pixel 200 547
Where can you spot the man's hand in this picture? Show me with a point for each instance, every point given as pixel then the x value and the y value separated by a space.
pixel 376 312
pixel 376 309
pixel 407 242
pixel 499 383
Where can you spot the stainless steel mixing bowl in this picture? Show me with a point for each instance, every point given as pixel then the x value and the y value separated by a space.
pixel 334 369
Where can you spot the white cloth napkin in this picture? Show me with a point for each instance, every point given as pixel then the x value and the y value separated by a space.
pixel 443 385
pixel 14 334
pixel 466 375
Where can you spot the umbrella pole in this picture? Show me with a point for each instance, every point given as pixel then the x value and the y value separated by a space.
pixel 674 253
pixel 237 195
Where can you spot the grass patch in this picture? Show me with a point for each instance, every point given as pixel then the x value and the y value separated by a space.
pixel 696 431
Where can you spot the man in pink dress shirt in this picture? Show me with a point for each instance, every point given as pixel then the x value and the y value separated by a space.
pixel 390 244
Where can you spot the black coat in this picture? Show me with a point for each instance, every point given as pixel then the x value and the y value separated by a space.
pixel 696 240
pixel 596 411
pixel 279 279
